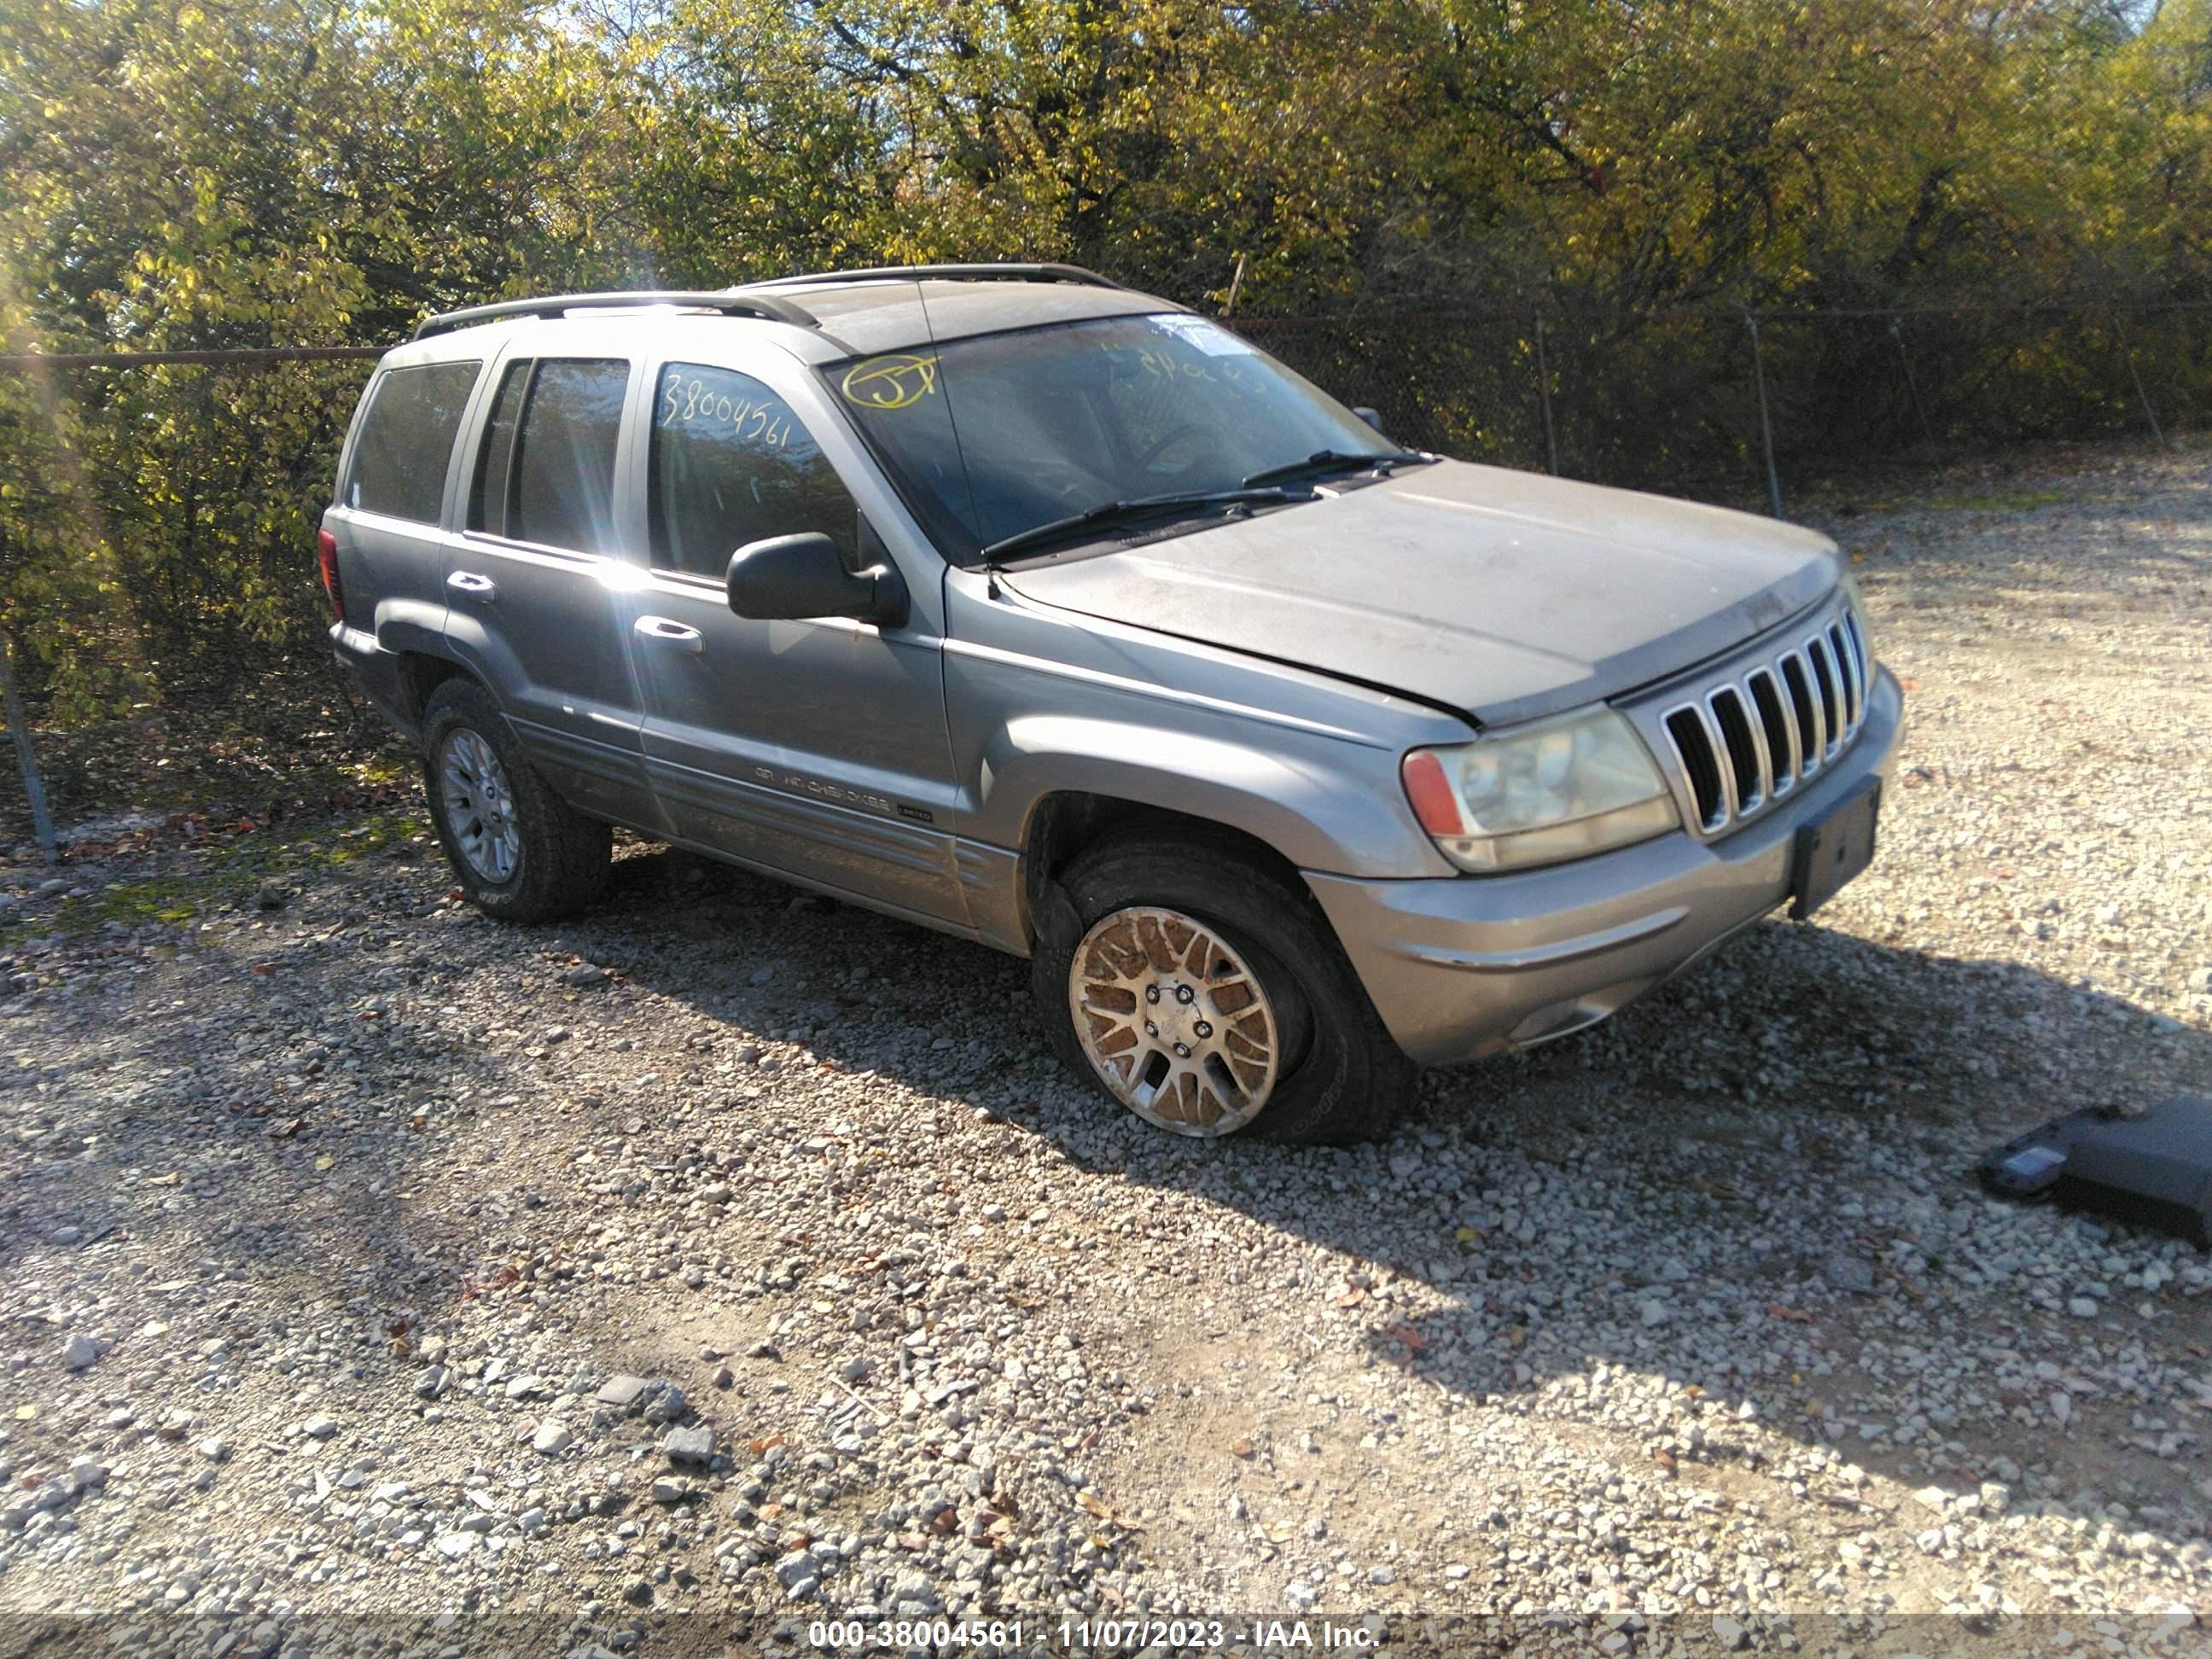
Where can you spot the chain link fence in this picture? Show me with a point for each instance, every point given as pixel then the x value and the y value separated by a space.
pixel 1735 405
pixel 188 484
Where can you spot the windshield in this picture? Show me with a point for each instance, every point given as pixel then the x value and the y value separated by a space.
pixel 993 436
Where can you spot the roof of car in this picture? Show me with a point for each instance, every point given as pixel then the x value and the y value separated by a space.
pixel 835 314
pixel 895 315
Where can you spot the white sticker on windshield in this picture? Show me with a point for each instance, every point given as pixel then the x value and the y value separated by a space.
pixel 1211 338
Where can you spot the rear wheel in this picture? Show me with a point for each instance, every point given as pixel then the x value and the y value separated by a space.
pixel 519 851
pixel 1208 996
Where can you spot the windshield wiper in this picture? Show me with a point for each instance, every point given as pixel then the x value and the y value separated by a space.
pixel 1113 512
pixel 1323 459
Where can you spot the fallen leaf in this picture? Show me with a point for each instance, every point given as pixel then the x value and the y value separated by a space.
pixel 758 1447
pixel 1096 1506
pixel 1469 1235
pixel 1795 1316
pixel 1352 1297
pixel 327 1163
pixel 1664 1459
pixel 1413 1341
pixel 1242 1448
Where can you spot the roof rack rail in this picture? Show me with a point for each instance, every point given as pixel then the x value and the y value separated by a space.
pixel 978 273
pixel 729 304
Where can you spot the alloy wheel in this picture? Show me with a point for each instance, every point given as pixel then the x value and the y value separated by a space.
pixel 1174 1020
pixel 479 807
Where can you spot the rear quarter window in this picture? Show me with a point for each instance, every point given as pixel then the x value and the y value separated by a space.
pixel 406 440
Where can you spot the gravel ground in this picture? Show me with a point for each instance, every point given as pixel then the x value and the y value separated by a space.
pixel 725 1258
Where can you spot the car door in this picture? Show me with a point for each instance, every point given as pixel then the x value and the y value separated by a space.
pixel 391 502
pixel 539 584
pixel 816 749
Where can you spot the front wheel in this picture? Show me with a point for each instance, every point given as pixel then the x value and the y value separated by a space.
pixel 519 851
pixel 1210 998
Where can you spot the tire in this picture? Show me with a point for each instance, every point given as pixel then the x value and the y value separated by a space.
pixel 520 853
pixel 1133 900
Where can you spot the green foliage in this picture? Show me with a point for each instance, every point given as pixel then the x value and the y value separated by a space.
pixel 242 172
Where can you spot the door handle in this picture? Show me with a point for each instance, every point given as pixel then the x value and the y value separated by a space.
pixel 673 634
pixel 469 586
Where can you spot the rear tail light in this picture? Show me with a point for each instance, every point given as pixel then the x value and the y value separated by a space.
pixel 326 557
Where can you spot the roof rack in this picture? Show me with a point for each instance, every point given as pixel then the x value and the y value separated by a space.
pixel 983 273
pixel 728 304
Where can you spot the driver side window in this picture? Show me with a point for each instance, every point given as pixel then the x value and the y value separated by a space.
pixel 730 464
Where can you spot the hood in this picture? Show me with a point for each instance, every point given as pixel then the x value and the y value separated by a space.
pixel 1504 595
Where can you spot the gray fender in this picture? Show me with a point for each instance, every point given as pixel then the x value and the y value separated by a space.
pixel 482 652
pixel 410 625
pixel 1319 811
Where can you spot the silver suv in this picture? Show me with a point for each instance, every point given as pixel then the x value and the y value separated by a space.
pixel 1013 603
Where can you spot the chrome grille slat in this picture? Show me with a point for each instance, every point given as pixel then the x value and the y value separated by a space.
pixel 1687 729
pixel 1740 741
pixel 1859 662
pixel 1782 763
pixel 1722 761
pixel 1805 702
pixel 1748 737
pixel 1848 666
pixel 1824 687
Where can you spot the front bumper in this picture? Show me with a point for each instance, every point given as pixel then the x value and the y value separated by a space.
pixel 1468 966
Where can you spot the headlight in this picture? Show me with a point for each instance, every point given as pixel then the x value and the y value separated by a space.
pixel 1582 784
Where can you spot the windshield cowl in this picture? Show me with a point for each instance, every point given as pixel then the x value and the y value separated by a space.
pixel 1109 515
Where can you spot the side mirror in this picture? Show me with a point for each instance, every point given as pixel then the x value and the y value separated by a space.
pixel 1372 417
pixel 801 576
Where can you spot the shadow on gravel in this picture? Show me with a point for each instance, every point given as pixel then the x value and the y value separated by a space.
pixel 1757 1182
pixel 319 1174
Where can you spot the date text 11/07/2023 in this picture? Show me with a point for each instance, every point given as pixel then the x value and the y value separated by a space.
pixel 1092 1635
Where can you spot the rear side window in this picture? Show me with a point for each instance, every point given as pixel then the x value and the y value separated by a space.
pixel 564 455
pixel 407 438
pixel 731 464
pixel 489 492
pixel 546 472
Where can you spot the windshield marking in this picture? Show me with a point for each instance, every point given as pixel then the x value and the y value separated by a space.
pixel 898 381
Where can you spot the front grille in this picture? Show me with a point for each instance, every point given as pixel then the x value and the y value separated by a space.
pixel 1745 742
